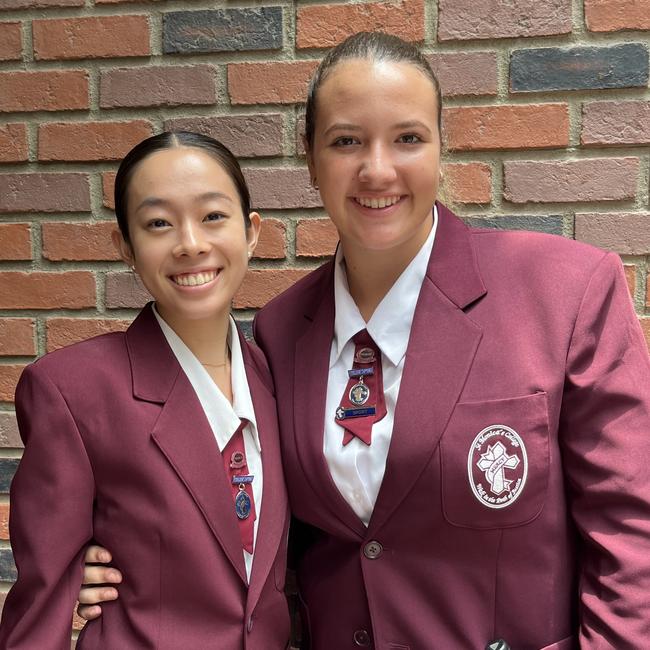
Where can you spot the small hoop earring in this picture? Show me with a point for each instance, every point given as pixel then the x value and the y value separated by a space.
pixel 314 184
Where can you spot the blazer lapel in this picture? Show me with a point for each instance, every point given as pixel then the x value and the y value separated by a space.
pixel 311 366
pixel 442 346
pixel 275 510
pixel 182 431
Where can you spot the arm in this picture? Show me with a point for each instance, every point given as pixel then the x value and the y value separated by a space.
pixel 605 439
pixel 51 518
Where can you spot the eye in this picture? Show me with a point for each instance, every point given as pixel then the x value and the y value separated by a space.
pixel 214 216
pixel 409 138
pixel 156 224
pixel 345 141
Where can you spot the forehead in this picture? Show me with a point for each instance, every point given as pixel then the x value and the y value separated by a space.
pixel 180 171
pixel 359 87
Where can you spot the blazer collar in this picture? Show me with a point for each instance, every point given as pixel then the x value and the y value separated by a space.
pixel 442 346
pixel 154 367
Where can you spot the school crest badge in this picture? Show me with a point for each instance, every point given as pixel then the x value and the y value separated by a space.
pixel 497 466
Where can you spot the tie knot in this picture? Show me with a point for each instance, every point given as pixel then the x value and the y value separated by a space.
pixel 366 350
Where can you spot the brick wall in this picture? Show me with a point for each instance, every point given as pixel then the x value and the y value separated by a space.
pixel 547 127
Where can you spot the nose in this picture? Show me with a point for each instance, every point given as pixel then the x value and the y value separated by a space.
pixel 377 167
pixel 191 241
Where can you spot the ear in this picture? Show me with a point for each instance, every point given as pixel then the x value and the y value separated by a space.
pixel 310 157
pixel 253 232
pixel 122 247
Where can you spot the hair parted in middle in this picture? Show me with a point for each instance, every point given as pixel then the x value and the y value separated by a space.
pixel 370 46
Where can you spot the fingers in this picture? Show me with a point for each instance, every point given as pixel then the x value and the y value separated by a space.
pixel 99 575
pixel 89 612
pixel 96 554
pixel 95 595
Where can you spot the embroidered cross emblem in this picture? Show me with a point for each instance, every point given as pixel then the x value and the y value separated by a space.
pixel 494 463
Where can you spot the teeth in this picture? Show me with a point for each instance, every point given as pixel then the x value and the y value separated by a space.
pixel 383 202
pixel 194 279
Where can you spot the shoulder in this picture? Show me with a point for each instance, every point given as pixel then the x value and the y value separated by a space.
pixel 77 362
pixel 303 296
pixel 540 256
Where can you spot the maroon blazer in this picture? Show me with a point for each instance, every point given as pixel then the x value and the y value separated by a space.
pixel 516 498
pixel 118 450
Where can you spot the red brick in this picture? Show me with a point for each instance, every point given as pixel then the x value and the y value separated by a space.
pixel 4 521
pixel 315 238
pixel 78 241
pixel 278 82
pixel 465 73
pixel 535 126
pixel 326 25
pixel 467 182
pixel 91 37
pixel 614 15
pixel 123 289
pixel 249 136
pixel 615 122
pixel 65 331
pixel 39 4
pixel 108 189
pixel 11 41
pixel 271 244
pixel 627 233
pixel 9 437
pixel 90 140
pixel 17 337
pixel 630 278
pixel 16 241
pixel 260 286
pixel 647 294
pixel 559 181
pixel 475 19
pixel 48 192
pixel 277 188
pixel 38 290
pixel 9 375
pixel 52 90
pixel 13 143
pixel 158 86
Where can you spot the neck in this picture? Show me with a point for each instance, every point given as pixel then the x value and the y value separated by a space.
pixel 206 338
pixel 371 274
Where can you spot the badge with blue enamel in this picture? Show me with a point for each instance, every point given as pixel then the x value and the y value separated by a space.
pixel 243 501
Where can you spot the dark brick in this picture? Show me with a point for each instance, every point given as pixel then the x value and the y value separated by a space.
pixel 8 571
pixel 246 326
pixel 8 467
pixel 46 192
pixel 579 68
pixel 247 136
pixel 551 224
pixel 222 30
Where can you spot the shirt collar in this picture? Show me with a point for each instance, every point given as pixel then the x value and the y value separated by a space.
pixel 390 324
pixel 227 417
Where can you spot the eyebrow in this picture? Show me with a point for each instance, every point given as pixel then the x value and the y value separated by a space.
pixel 154 201
pixel 408 124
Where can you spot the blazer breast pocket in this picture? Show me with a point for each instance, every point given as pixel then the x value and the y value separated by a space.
pixel 495 461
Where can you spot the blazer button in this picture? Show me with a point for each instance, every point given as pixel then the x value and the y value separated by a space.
pixel 372 550
pixel 361 638
pixel 499 644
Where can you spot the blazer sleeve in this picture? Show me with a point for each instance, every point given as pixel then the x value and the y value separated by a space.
pixel 50 519
pixel 605 442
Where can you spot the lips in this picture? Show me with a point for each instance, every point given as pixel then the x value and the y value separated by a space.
pixel 193 279
pixel 377 201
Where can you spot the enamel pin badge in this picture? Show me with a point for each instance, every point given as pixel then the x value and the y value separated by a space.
pixel 497 466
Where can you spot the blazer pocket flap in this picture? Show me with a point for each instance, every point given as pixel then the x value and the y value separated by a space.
pixel 494 458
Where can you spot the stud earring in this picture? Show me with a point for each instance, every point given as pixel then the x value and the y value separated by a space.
pixel 314 183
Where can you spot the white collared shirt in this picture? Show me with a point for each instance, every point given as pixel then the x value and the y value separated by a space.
pixel 224 418
pixel 358 469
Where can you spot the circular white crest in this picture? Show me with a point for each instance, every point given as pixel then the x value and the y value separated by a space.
pixel 497 466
